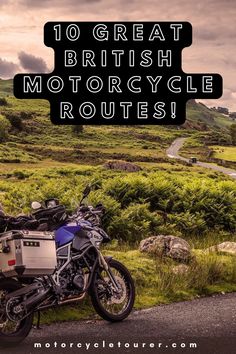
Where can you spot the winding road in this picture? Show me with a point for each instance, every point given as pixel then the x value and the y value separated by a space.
pixel 173 152
pixel 208 322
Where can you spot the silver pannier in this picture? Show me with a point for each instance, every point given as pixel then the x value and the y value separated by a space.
pixel 27 253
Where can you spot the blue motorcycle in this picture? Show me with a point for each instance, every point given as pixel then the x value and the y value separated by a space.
pixel 52 259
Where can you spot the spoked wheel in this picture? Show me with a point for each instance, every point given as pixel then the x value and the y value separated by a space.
pixel 110 304
pixel 11 331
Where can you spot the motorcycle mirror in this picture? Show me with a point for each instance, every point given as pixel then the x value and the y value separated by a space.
pixel 36 205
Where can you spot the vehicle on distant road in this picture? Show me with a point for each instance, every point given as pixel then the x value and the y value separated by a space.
pixel 193 160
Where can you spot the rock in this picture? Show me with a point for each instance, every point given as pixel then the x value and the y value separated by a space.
pixel 122 165
pixel 167 246
pixel 225 247
pixel 180 269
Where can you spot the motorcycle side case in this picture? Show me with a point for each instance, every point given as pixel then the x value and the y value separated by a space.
pixel 27 253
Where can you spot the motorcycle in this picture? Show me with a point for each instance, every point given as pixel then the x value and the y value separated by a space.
pixel 80 269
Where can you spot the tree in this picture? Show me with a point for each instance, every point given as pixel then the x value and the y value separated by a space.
pixel 223 110
pixel 233 134
pixel 15 120
pixel 77 129
pixel 4 128
pixel 232 115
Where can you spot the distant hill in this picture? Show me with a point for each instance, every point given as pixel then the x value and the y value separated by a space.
pixel 199 116
pixel 6 87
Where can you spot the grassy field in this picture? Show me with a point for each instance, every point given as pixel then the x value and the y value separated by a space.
pixel 39 160
pixel 227 153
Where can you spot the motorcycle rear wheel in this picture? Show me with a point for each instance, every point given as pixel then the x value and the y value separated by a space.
pixel 112 306
pixel 12 333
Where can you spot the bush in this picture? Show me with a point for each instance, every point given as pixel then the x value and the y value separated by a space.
pixel 134 223
pixel 26 115
pixel 3 102
pixel 137 205
pixel 15 120
pixel 4 128
pixel 77 129
pixel 189 223
pixel 233 134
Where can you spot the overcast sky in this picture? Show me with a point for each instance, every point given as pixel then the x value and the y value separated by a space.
pixel 214 32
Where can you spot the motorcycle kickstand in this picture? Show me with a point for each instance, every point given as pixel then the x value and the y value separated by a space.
pixel 37 326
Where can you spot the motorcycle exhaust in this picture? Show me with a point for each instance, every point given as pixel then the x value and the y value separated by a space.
pixel 60 303
pixel 72 299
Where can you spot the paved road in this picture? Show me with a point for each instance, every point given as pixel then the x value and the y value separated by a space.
pixel 173 152
pixel 209 322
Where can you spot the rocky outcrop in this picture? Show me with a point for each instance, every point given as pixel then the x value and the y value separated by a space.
pixel 167 246
pixel 225 247
pixel 122 166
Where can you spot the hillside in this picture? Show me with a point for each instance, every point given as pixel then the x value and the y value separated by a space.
pixel 35 138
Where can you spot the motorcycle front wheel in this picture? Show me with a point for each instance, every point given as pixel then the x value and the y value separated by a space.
pixel 110 304
pixel 11 332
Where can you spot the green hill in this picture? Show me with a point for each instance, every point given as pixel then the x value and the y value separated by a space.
pixel 34 138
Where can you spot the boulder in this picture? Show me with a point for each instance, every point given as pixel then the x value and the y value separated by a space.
pixel 167 246
pixel 122 166
pixel 225 247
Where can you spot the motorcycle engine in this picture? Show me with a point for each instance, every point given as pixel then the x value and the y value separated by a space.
pixel 72 279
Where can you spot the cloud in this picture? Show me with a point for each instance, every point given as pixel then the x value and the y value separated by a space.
pixel 7 69
pixel 54 3
pixel 227 100
pixel 214 27
pixel 32 63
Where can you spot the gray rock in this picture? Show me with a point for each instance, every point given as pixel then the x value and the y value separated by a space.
pixel 122 165
pixel 167 246
pixel 225 247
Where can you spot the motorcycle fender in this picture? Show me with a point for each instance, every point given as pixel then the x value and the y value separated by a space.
pixel 108 259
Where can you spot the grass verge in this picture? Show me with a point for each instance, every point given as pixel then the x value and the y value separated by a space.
pixel 156 283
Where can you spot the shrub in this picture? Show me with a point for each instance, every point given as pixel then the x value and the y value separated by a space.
pixel 26 115
pixel 4 128
pixel 233 134
pixel 3 101
pixel 77 129
pixel 134 223
pixel 137 205
pixel 15 120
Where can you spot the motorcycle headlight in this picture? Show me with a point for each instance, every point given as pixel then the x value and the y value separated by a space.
pixel 95 238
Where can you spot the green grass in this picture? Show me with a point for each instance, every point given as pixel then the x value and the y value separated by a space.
pixel 157 284
pixel 97 144
pixel 224 152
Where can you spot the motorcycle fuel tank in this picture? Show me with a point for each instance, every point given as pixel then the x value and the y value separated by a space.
pixel 66 233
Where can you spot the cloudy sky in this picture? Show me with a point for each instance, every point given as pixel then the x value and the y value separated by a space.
pixel 214 32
